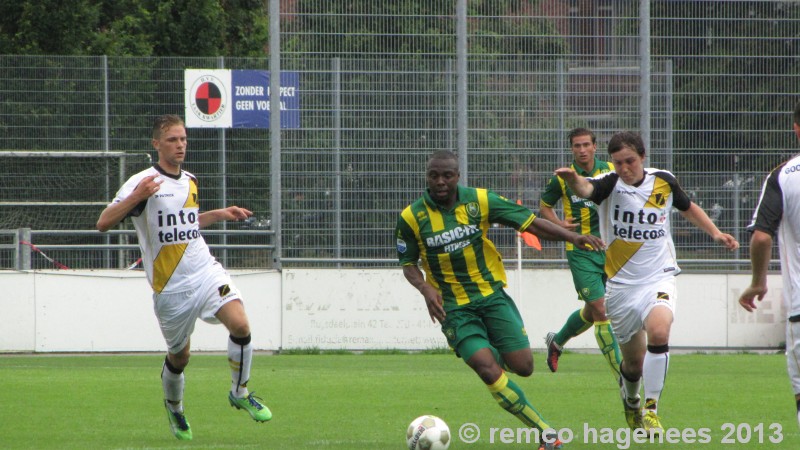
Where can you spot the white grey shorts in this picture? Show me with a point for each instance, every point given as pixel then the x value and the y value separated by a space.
pixel 793 354
pixel 627 305
pixel 178 312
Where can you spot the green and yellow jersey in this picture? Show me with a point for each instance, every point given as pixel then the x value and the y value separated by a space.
pixel 583 211
pixel 452 244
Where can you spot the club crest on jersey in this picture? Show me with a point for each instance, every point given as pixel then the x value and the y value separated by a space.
pixel 401 245
pixel 224 290
pixel 473 210
pixel 421 215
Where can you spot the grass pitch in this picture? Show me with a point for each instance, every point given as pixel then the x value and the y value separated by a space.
pixel 365 401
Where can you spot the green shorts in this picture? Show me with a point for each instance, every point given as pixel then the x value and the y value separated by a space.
pixel 490 322
pixel 588 274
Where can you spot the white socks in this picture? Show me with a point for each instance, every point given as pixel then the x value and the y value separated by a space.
pixel 240 357
pixel 654 373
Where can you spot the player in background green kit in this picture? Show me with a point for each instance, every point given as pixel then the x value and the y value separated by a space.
pixel 445 230
pixel 587 270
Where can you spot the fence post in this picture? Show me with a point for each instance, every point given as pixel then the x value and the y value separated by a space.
pixel 275 126
pixel 461 88
pixel 22 260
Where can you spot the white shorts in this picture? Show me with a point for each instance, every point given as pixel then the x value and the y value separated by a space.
pixel 178 312
pixel 627 305
pixel 793 354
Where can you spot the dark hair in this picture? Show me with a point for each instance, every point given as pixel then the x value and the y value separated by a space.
pixel 627 139
pixel 443 154
pixel 797 113
pixel 164 122
pixel 581 132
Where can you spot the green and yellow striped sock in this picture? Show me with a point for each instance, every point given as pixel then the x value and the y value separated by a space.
pixel 607 342
pixel 511 398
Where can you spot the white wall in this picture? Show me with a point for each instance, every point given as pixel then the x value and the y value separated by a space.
pixel 104 311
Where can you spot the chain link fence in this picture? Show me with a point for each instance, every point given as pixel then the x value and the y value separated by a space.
pixel 380 90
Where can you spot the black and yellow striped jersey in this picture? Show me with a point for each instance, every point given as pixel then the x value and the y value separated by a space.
pixel 175 256
pixel 635 224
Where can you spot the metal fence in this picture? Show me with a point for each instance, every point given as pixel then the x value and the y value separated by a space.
pixel 710 84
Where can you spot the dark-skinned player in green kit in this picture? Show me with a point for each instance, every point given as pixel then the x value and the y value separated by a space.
pixel 445 231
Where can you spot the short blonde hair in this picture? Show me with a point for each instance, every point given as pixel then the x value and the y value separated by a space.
pixel 163 123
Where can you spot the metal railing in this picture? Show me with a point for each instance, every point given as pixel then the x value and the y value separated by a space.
pixel 18 247
pixel 27 249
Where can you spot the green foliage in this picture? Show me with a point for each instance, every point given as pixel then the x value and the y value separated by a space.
pixel 246 28
pixel 745 48
pixel 133 27
pixel 200 33
pixel 501 33
pixel 406 28
pixel 366 28
pixel 47 26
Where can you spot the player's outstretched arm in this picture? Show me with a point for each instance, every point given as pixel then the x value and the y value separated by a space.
pixel 546 229
pixel 760 253
pixel 577 183
pixel 218 215
pixel 700 219
pixel 116 213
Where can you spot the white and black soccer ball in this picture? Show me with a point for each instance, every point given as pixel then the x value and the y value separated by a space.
pixel 428 433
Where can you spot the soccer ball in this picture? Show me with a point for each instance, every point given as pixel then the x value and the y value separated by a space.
pixel 428 433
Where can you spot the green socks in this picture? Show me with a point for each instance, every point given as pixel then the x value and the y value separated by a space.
pixel 575 325
pixel 511 398
pixel 608 345
pixel 606 341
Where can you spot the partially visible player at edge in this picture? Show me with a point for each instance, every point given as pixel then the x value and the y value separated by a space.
pixel 188 283
pixel 641 266
pixel 586 267
pixel 464 278
pixel 778 215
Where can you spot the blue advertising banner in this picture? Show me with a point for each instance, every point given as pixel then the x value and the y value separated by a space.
pixel 222 98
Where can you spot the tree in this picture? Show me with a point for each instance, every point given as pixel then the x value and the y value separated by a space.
pixel 134 27
pixel 246 28
pixel 754 60
pixel 47 26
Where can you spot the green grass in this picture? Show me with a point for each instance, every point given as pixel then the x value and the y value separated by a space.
pixel 365 401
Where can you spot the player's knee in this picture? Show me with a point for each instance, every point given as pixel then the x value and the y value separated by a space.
pixel 488 373
pixel 658 336
pixel 596 311
pixel 521 363
pixel 485 366
pixel 631 372
pixel 524 370
pixel 178 361
pixel 239 329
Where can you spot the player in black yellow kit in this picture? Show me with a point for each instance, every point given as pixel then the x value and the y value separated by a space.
pixel 446 231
